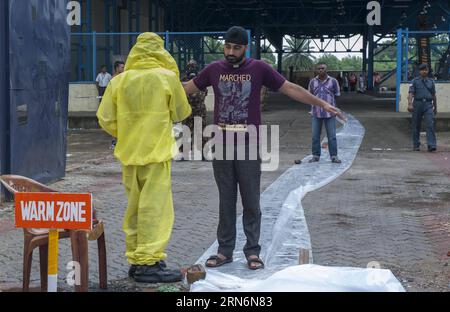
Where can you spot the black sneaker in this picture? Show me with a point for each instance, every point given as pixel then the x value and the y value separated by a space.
pixel 133 267
pixel 314 159
pixel 156 273
pixel 335 160
pixel 432 149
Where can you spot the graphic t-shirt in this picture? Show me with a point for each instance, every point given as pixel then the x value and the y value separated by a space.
pixel 238 91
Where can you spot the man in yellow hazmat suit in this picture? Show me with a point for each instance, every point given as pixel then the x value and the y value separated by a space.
pixel 138 108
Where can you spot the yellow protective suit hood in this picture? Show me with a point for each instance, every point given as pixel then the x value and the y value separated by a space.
pixel 140 105
pixel 149 53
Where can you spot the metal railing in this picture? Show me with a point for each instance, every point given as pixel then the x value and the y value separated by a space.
pixel 90 50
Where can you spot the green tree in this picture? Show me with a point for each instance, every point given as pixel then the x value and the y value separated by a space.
pixel 330 60
pixel 386 55
pixel 298 55
pixel 351 63
pixel 213 50
pixel 269 57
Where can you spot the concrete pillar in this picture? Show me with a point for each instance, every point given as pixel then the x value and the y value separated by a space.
pixel 364 54
pixel 370 39
pixel 258 42
pixel 280 60
pixel 279 46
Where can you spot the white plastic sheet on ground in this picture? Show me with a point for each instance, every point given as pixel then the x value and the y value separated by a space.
pixel 284 232
pixel 307 278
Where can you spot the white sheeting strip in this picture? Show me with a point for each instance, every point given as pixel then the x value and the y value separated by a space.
pixel 284 230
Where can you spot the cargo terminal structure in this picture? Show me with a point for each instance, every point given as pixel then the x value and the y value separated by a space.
pixel 418 30
pixel 400 209
pixel 108 29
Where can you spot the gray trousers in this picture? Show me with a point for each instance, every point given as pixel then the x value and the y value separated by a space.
pixel 247 174
pixel 423 110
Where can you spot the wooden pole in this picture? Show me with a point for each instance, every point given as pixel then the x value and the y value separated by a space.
pixel 304 256
pixel 53 238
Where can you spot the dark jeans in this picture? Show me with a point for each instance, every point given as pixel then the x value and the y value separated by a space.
pixel 247 174
pixel 330 126
pixel 423 110
pixel 101 91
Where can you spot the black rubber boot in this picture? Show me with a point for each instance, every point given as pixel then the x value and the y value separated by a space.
pixel 156 273
pixel 132 271
pixel 133 268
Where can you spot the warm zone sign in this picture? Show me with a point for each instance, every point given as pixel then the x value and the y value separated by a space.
pixel 53 211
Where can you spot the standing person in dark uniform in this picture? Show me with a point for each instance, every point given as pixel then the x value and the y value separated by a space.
pixel 119 68
pixel 422 102
pixel 197 102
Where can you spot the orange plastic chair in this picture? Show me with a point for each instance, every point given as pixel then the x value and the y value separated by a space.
pixel 34 238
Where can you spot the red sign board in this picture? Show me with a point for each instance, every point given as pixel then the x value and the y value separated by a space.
pixel 53 211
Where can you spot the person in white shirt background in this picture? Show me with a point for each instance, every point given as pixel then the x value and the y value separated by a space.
pixel 103 80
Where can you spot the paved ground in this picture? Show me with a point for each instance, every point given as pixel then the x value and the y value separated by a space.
pixel 391 207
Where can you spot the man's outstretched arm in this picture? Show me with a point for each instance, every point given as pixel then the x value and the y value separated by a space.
pixel 300 94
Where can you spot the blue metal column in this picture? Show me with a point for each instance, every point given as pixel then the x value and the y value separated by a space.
pixel 94 56
pixel 84 42
pixel 130 22
pixel 406 54
pixel 371 58
pixel 150 15
pixel 89 57
pixel 80 62
pixel 107 7
pixel 4 88
pixel 133 7
pixel 249 50
pixel 279 46
pixel 110 7
pixel 115 27
pixel 399 65
pixel 138 16
pixel 156 17
pixel 167 40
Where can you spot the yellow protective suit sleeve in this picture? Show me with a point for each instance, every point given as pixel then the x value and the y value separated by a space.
pixel 107 112
pixel 179 104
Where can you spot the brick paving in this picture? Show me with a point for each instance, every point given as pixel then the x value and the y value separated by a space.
pixel 392 206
